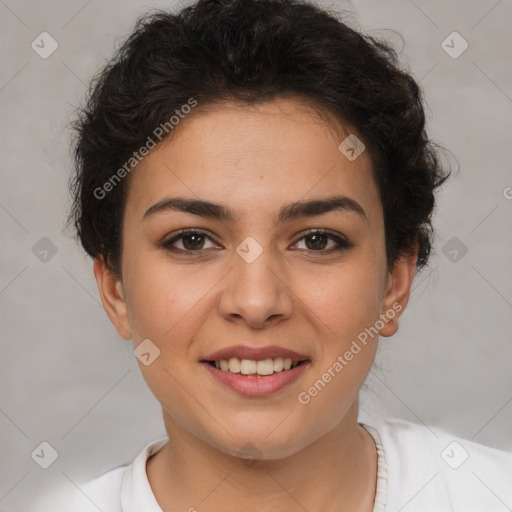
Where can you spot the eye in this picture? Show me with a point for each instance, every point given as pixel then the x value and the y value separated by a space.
pixel 191 240
pixel 319 240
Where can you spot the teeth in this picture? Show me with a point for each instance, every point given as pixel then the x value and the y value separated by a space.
pixel 234 365
pixel 252 367
pixel 265 367
pixel 247 367
pixel 278 364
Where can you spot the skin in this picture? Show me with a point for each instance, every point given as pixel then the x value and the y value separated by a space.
pixel 255 160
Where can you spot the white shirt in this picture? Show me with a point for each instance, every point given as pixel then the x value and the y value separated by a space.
pixel 418 471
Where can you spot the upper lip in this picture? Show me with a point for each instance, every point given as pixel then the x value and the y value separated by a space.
pixel 255 353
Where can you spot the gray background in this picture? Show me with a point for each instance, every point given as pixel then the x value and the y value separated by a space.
pixel 68 379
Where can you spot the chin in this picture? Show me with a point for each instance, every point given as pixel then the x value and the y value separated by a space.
pixel 266 442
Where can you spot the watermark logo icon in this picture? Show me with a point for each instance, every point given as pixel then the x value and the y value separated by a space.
pixel 249 250
pixel 352 147
pixel 455 455
pixel 44 250
pixel 454 45
pixel 146 352
pixel 44 45
pixel 454 250
pixel 249 454
pixel 44 455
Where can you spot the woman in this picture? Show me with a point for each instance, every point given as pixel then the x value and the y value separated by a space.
pixel 255 185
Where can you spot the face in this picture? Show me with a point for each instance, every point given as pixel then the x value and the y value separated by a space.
pixel 309 280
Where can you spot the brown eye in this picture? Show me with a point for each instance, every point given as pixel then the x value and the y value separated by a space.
pixel 317 241
pixel 191 241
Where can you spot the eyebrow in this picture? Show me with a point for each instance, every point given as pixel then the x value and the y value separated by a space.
pixel 287 213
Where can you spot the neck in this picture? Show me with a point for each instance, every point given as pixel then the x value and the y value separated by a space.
pixel 337 472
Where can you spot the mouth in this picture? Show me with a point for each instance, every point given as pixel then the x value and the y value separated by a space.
pixel 256 371
pixel 255 368
pixel 255 378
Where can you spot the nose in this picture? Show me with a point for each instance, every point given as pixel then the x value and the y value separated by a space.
pixel 257 293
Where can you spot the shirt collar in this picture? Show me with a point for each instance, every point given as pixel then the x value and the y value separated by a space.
pixel 136 492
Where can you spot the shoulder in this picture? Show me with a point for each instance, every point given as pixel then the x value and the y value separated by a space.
pixel 112 491
pixel 429 467
pixel 100 493
pixel 447 450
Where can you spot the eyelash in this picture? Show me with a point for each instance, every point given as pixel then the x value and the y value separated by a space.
pixel 342 244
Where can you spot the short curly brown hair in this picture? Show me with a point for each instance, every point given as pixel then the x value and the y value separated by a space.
pixel 253 51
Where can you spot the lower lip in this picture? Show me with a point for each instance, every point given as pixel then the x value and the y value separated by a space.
pixel 256 385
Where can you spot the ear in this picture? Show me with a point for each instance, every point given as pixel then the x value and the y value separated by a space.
pixel 398 288
pixel 112 296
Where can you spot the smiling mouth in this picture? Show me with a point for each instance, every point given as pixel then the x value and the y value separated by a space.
pixel 258 368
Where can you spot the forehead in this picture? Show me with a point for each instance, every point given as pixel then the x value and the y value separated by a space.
pixel 254 157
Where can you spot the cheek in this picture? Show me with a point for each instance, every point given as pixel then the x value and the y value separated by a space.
pixel 343 312
pixel 344 301
pixel 165 305
pixel 162 298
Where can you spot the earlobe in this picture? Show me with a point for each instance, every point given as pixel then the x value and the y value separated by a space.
pixel 112 296
pixel 398 288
